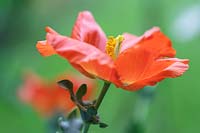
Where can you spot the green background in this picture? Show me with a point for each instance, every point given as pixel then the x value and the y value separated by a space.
pixel 176 106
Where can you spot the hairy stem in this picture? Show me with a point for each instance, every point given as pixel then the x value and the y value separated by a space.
pixel 102 94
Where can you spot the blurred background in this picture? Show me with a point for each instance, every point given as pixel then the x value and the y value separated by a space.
pixel 176 105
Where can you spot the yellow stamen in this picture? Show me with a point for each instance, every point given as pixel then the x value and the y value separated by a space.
pixel 113 45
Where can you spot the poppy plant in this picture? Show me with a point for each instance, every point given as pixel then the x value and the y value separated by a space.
pixel 49 98
pixel 128 61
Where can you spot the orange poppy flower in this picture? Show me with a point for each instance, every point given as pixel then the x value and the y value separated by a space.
pixel 128 61
pixel 49 98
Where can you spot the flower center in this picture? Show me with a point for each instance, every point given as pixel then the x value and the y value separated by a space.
pixel 113 45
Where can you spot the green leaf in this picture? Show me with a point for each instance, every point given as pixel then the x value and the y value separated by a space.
pixel 103 125
pixel 66 84
pixel 72 115
pixel 81 92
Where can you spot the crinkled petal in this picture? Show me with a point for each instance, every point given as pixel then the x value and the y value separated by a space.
pixel 44 48
pixel 138 67
pixel 87 30
pixel 169 68
pixel 155 41
pixel 84 57
pixel 129 40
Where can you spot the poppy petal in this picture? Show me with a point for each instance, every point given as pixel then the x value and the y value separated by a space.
pixel 84 57
pixel 87 30
pixel 131 63
pixel 138 67
pixel 166 68
pixel 44 48
pixel 129 40
pixel 155 41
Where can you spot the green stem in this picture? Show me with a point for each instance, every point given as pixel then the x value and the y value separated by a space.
pixel 102 94
pixel 86 127
pixel 98 103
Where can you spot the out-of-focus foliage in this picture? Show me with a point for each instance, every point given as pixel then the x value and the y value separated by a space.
pixel 176 105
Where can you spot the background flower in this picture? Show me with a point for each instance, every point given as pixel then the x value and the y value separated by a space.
pixel 47 97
